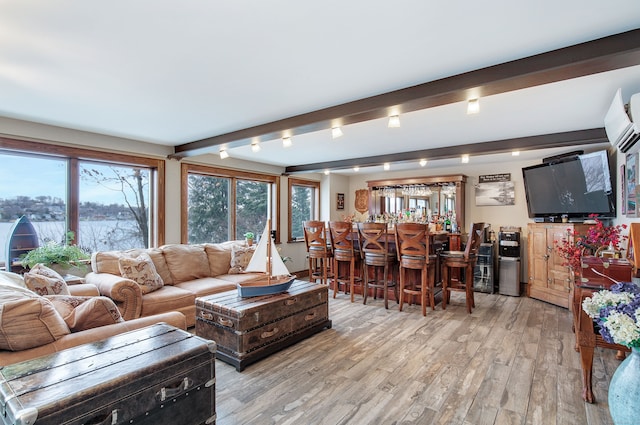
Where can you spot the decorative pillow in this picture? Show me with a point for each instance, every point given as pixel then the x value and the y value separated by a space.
pixel 28 320
pixel 240 257
pixel 45 285
pixel 81 313
pixel 142 271
pixel 186 262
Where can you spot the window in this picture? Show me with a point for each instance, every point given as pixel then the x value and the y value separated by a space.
pixel 108 201
pixel 304 205
pixel 220 204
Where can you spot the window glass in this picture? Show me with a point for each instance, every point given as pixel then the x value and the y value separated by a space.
pixel 252 207
pixel 303 205
pixel 23 193
pixel 208 208
pixel 113 207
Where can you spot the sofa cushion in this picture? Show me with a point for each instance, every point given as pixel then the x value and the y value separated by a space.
pixel 219 255
pixel 45 285
pixel 186 262
pixel 142 271
pixel 207 286
pixel 12 279
pixel 240 257
pixel 107 262
pixel 82 313
pixel 27 320
pixel 166 299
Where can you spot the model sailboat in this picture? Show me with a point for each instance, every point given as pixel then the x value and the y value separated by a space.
pixel 274 276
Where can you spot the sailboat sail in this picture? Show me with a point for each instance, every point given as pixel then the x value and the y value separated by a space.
pixel 266 253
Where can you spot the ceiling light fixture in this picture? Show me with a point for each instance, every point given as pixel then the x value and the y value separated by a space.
pixel 465 159
pixel 286 142
pixel 386 166
pixel 224 154
pixel 473 106
pixel 394 121
pixel 515 153
pixel 255 146
pixel 423 162
pixel 356 168
pixel 327 172
pixel 336 132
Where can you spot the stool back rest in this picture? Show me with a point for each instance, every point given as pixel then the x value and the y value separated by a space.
pixel 340 236
pixel 475 239
pixel 315 235
pixel 412 239
pixel 373 239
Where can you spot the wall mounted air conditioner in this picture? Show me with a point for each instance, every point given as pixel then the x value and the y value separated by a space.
pixel 622 132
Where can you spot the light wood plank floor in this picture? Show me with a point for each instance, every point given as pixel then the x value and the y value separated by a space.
pixel 510 362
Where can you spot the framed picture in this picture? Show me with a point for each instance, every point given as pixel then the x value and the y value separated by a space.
pixel 623 189
pixel 340 201
pixel 631 182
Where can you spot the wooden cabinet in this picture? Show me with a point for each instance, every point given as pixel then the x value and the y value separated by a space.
pixel 22 239
pixel 549 280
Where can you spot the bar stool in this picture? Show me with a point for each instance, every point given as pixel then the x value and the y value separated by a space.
pixel 344 251
pixel 465 260
pixel 318 250
pixel 412 245
pixel 375 253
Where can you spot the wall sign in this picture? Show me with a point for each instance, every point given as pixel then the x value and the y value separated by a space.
pixel 495 190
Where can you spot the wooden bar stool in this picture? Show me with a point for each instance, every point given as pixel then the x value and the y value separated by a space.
pixel 375 253
pixel 344 251
pixel 412 245
pixel 318 251
pixel 465 260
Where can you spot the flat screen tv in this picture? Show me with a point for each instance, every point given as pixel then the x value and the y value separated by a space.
pixel 575 186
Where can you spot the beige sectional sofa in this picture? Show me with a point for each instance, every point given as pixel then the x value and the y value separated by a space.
pixel 186 272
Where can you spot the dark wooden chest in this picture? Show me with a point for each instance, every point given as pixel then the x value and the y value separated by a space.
pixel 248 329
pixel 155 375
pixel 593 268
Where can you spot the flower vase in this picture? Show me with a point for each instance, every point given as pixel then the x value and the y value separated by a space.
pixel 624 391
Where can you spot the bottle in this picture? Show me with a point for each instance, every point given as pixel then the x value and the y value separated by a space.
pixel 447 224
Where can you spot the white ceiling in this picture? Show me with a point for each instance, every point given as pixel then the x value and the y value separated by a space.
pixel 171 73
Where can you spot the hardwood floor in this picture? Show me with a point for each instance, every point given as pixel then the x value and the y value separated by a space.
pixel 510 362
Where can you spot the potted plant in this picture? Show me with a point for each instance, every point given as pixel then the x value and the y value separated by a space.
pixel 63 258
pixel 249 236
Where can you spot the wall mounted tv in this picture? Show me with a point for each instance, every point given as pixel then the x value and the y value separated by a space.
pixel 575 186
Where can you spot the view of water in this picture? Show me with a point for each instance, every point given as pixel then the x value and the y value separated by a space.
pixel 94 235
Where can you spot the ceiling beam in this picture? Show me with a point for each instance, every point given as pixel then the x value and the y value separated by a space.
pixel 592 57
pixel 554 140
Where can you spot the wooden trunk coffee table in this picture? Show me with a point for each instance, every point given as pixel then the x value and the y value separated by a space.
pixel 248 329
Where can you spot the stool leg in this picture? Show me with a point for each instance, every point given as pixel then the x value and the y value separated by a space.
pixel 366 283
pixel 423 290
pixel 336 284
pixel 402 277
pixel 445 284
pixel 352 280
pixel 385 285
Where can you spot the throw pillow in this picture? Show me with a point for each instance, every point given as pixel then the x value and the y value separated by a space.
pixel 81 313
pixel 44 285
pixel 142 271
pixel 27 320
pixel 186 262
pixel 240 257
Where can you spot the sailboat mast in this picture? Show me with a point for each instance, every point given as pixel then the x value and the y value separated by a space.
pixel 269 252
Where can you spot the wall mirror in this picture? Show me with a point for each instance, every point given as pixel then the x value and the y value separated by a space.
pixel 435 195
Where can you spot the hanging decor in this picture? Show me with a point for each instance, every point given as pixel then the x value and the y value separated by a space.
pixel 495 190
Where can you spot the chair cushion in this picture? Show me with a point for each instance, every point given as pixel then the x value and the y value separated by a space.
pixel 82 313
pixel 28 320
pixel 142 271
pixel 45 281
pixel 452 254
pixel 240 257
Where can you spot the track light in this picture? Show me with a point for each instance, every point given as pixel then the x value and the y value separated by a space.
pixel 394 121
pixel 255 146
pixel 336 132
pixel 473 106
pixel 465 159
pixel 515 153
pixel 423 162
pixel 286 142
pixel 386 166
pixel 356 168
pixel 327 172
pixel 224 154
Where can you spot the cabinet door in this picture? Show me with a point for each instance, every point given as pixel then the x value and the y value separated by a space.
pixel 560 276
pixel 538 260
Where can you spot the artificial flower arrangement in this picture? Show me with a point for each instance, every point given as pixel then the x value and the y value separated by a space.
pixel 597 236
pixel 617 312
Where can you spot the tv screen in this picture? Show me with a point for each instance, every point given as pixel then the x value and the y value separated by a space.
pixel 576 186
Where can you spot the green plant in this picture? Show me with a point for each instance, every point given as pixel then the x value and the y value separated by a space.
pixel 249 235
pixel 54 253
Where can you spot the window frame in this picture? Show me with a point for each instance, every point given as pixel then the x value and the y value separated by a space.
pixel 75 155
pixel 313 184
pixel 234 176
